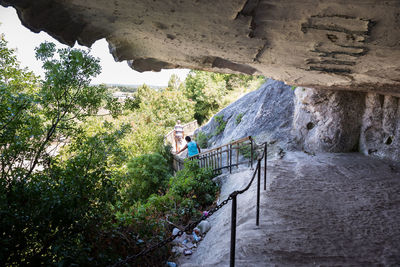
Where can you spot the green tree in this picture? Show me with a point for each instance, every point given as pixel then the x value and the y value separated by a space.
pixel 54 209
pixel 214 91
pixel 19 121
pixel 147 174
pixel 174 82
pixel 206 90
pixel 36 117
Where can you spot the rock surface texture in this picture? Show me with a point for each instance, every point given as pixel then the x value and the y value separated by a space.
pixel 323 210
pixel 339 121
pixel 313 120
pixel 327 120
pixel 265 114
pixel 380 131
pixel 348 45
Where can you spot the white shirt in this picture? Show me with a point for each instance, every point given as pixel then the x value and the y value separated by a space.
pixel 178 130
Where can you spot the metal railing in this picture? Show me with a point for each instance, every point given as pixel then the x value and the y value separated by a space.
pixel 233 196
pixel 224 156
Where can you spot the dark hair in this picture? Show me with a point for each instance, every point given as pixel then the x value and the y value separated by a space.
pixel 188 139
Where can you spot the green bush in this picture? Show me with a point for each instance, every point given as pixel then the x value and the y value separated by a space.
pixel 245 150
pixel 147 174
pixel 221 124
pixel 196 183
pixel 164 150
pixel 57 215
pixel 190 192
pixel 239 118
pixel 202 139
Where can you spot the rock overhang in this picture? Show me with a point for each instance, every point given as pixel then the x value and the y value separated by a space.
pixel 345 45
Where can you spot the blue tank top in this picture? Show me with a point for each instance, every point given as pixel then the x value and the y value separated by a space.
pixel 192 149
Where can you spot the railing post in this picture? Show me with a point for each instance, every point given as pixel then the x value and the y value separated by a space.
pixel 233 231
pixel 220 158
pixel 237 156
pixel 213 159
pixel 216 159
pixel 230 158
pixel 252 156
pixel 265 166
pixel 258 169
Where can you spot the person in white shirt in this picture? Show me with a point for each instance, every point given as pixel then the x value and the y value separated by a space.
pixel 178 135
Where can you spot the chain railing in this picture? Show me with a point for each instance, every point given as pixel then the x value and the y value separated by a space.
pixel 232 196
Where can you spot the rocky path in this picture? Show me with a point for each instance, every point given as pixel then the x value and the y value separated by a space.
pixel 328 209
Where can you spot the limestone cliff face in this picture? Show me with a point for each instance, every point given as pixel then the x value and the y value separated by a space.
pixel 380 131
pixel 266 114
pixel 347 45
pixel 313 120
pixel 337 121
pixel 327 120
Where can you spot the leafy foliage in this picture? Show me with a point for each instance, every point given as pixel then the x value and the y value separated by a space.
pixel 191 190
pixel 58 214
pixel 221 124
pixel 206 90
pixel 245 150
pixel 80 188
pixel 156 114
pixel 196 183
pixel 213 91
pixel 239 118
pixel 202 139
pixel 35 117
pixel 175 83
pixel 147 174
pixel 54 208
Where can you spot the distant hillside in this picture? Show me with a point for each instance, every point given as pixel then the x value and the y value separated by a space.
pixel 130 88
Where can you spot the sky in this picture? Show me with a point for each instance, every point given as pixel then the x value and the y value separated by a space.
pixel 25 41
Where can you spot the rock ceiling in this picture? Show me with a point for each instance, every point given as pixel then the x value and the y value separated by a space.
pixel 342 45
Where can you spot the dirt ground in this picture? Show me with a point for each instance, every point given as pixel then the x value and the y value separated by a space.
pixel 324 210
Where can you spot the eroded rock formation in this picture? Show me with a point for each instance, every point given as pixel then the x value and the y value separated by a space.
pixel 337 121
pixel 380 131
pixel 265 114
pixel 336 45
pixel 348 45
pixel 313 120
pixel 327 120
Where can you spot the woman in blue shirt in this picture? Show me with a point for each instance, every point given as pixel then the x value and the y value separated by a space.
pixel 192 146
